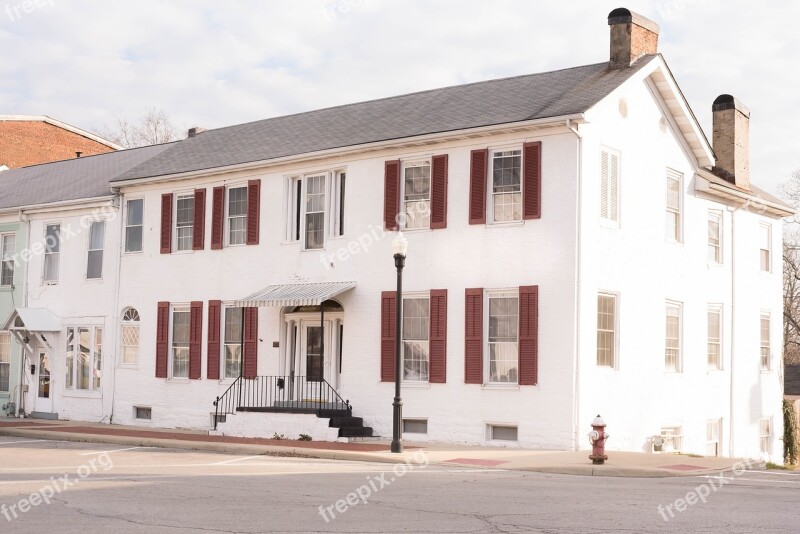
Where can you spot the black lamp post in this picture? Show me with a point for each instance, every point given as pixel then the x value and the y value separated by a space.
pixel 399 247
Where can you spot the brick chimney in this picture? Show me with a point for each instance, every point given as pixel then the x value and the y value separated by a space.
pixel 732 140
pixel 194 132
pixel 632 36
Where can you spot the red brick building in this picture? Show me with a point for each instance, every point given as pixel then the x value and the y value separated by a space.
pixel 31 139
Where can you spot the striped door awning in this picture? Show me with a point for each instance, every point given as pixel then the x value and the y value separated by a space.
pixel 297 294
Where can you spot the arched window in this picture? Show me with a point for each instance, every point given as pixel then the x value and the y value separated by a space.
pixel 130 337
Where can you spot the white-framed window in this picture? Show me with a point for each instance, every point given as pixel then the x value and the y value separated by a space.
pixel 8 242
pixel 715 236
pixel 714 337
pixel 84 358
pixel 314 223
pixel 713 430
pixel 765 435
pixel 130 337
pixel 503 336
pixel 184 221
pixel 415 338
pixel 143 412
pixel 609 186
pixel 94 260
pixel 673 223
pixel 134 221
pixel 417 194
pixel 52 251
pixel 765 247
pixel 181 316
pixel 232 339
pixel 672 352
pixel 766 355
pixel 506 185
pixel 237 215
pixel 606 330
pixel 315 207
pixel 5 361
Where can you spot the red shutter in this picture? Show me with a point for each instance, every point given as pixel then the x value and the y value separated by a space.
pixel 477 186
pixel 253 210
pixel 528 335
pixel 438 337
pixel 196 340
pixel 213 348
pixel 250 343
pixel 166 223
pixel 439 192
pixel 217 217
pixel 162 339
pixel 199 226
pixel 388 335
pixel 391 194
pixel 473 337
pixel 532 180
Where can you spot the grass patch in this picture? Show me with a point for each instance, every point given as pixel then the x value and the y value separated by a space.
pixel 771 465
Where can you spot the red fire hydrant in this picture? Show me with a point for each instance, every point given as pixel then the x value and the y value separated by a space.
pixel 598 437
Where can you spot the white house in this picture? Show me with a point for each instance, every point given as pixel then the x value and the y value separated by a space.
pixel 575 247
pixel 67 240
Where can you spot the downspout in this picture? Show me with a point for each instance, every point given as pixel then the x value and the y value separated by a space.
pixel 116 327
pixel 577 340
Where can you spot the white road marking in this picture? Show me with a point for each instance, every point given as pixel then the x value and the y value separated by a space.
pixel 794 474
pixel 243 458
pixel 23 441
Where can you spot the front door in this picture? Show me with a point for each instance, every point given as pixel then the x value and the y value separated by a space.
pixel 314 357
pixel 44 400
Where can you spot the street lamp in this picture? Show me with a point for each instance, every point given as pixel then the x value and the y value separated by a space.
pixel 399 247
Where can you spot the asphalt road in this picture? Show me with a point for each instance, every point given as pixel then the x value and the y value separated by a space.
pixel 61 487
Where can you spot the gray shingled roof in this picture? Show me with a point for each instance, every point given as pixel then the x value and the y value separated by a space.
pixel 504 101
pixel 791 380
pixel 71 179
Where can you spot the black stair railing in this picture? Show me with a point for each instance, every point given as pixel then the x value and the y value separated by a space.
pixel 279 394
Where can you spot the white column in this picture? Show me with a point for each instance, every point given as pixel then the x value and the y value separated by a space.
pixel 285 366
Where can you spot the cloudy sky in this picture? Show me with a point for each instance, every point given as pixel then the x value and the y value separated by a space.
pixel 219 62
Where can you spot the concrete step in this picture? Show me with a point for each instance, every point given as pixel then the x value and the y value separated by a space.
pixel 333 413
pixel 355 432
pixel 339 422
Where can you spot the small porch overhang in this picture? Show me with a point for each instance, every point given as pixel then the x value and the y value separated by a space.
pixel 295 294
pixel 24 323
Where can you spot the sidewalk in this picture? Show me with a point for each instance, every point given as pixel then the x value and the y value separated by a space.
pixel 622 464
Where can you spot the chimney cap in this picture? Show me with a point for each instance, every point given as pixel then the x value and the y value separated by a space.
pixel 723 102
pixel 623 15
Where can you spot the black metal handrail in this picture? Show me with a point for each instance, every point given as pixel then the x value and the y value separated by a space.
pixel 279 393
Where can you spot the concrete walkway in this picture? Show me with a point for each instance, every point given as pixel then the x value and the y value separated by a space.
pixel 627 464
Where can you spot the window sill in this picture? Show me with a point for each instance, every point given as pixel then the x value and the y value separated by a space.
pixel 510 224
pixel 501 387
pixel 766 371
pixel 715 265
pixel 181 252
pixel 132 366
pixel 416 230
pixel 179 380
pixel 132 252
pixel 415 385
pixel 606 368
pixel 7 288
pixel 608 224
pixel 49 282
pixel 93 280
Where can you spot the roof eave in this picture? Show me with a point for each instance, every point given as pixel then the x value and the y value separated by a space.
pixel 706 184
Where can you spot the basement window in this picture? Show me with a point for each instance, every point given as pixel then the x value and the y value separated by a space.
pixel 502 432
pixel 415 426
pixel 142 412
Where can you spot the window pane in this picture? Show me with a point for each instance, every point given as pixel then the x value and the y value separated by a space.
pixel 9 249
pixel 503 348
pixel 130 344
pixel 84 358
pixel 233 341
pixel 418 182
pixel 53 238
pixel 606 327
pixel 714 338
pixel 315 230
pixel 5 361
pixel 97 234
pixel 98 357
pixel 714 235
pixel 672 341
pixel 416 325
pixel 133 239
pixel 70 365
pixel 237 232
pixel 184 222
pixel 507 186
pixel 180 327
pixel 135 211
pixel 237 202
